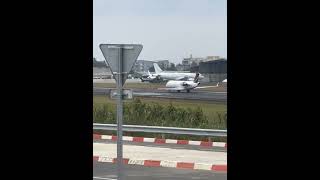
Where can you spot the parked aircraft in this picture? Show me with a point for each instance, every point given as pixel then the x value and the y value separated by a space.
pixel 179 86
pixel 175 75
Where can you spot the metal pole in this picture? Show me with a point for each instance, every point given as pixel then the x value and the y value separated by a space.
pixel 119 117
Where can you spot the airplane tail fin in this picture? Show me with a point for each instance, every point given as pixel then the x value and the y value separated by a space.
pixel 149 73
pixel 196 78
pixel 157 69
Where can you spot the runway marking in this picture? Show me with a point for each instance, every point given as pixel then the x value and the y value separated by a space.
pixel 105 159
pixel 103 178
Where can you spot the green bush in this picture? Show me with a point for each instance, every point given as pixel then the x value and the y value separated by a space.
pixel 153 114
pixel 103 114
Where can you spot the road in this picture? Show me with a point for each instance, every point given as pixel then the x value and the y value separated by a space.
pixel 193 95
pixel 172 146
pixel 108 171
pixel 159 153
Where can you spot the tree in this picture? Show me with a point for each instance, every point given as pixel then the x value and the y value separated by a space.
pixel 194 69
pixel 161 65
pixel 172 67
pixel 193 64
pixel 151 69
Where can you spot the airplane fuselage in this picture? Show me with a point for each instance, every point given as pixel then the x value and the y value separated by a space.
pixel 176 75
pixel 186 85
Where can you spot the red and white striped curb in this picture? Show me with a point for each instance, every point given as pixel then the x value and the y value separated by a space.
pixel 161 141
pixel 164 163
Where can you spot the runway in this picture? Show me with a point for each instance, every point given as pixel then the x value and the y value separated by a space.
pixel 154 93
pixel 108 171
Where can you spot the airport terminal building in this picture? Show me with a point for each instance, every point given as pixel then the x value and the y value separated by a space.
pixel 213 67
pixel 214 71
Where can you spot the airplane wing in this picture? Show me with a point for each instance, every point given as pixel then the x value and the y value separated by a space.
pixel 172 89
pixel 202 87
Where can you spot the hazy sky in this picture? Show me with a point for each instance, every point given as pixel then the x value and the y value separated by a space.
pixel 167 29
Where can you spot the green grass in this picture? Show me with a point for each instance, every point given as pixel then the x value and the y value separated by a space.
pixel 208 107
pixel 203 114
pixel 156 85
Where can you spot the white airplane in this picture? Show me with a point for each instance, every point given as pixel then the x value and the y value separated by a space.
pixel 150 77
pixel 175 75
pixel 185 85
pixel 224 81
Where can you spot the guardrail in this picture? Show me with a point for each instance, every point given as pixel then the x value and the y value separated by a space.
pixel 160 129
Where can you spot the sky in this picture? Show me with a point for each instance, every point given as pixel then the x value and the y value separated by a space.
pixel 167 29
